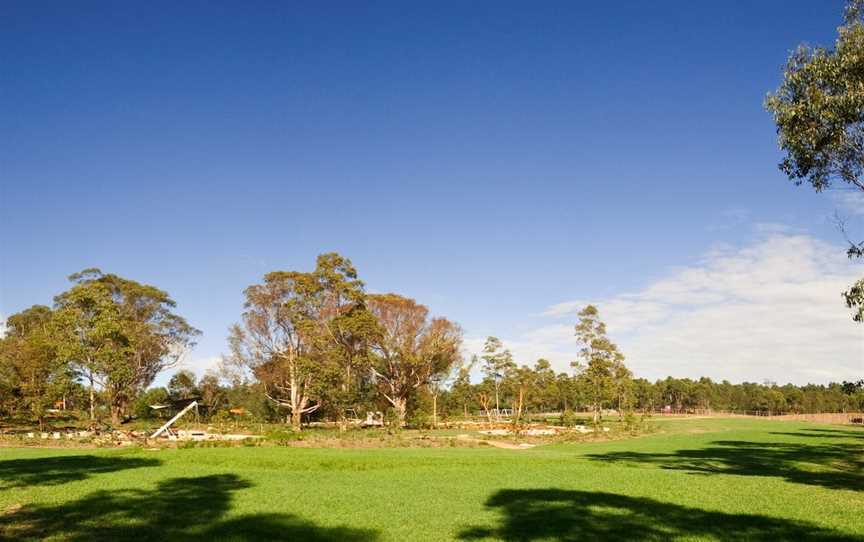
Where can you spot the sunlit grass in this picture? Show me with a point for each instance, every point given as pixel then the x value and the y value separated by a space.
pixel 694 479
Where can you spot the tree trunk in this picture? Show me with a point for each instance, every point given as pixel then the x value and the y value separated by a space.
pixel 92 400
pixel 517 411
pixel 484 402
pixel 296 419
pixel 116 414
pixel 435 411
pixel 400 405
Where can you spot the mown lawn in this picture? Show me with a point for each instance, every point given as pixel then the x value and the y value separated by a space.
pixel 695 480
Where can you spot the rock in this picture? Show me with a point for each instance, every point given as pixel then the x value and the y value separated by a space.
pixel 539 432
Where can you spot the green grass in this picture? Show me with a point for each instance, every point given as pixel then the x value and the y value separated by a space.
pixel 691 480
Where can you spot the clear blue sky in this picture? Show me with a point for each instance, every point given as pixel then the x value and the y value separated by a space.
pixel 489 159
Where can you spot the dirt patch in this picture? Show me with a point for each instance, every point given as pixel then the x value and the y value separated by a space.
pixel 496 443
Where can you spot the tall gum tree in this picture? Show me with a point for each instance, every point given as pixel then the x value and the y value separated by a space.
pixel 303 335
pixel 601 366
pixel 342 327
pixel 120 334
pixel 274 345
pixel 497 363
pixel 409 350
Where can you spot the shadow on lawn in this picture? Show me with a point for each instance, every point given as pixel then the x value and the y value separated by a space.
pixel 60 470
pixel 835 465
pixel 189 509
pixel 825 433
pixel 557 514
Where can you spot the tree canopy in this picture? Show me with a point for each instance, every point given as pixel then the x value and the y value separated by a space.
pixel 119 333
pixel 409 349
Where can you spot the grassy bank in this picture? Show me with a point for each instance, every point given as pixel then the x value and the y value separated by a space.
pixel 692 479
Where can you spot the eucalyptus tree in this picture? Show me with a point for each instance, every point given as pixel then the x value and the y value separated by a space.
pixel 120 334
pixel 546 394
pixel 304 335
pixel 497 363
pixel 409 350
pixel 819 113
pixel 342 326
pixel 29 365
pixel 600 366
pixel 522 384
pixel 182 385
pixel 461 392
pixel 212 393
pixel 275 345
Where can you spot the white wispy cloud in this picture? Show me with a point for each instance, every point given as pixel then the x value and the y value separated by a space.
pixel 769 310
pixel 199 365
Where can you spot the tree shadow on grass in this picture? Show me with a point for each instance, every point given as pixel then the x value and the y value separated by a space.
pixel 835 465
pixel 836 434
pixel 563 515
pixel 60 470
pixel 188 509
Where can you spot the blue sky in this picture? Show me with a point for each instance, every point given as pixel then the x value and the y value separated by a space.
pixel 494 160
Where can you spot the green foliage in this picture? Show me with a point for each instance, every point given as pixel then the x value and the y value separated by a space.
pixel 119 333
pixel 153 396
pixel 632 423
pixel 854 297
pixel 283 437
pixel 393 420
pixel 497 362
pixel 409 350
pixel 212 395
pixel 182 385
pixel 602 374
pixel 819 110
pixel 304 336
pixel 672 394
pixel 33 378
pixel 459 400
pixel 420 410
pixel 250 399
pixel 568 418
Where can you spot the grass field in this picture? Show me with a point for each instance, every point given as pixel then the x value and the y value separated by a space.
pixel 701 479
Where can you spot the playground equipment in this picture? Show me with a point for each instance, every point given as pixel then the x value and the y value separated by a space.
pixel 169 423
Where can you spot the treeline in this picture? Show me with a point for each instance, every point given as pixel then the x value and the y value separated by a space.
pixel 313 346
pixel 543 391
pixel 309 343
pixel 537 390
